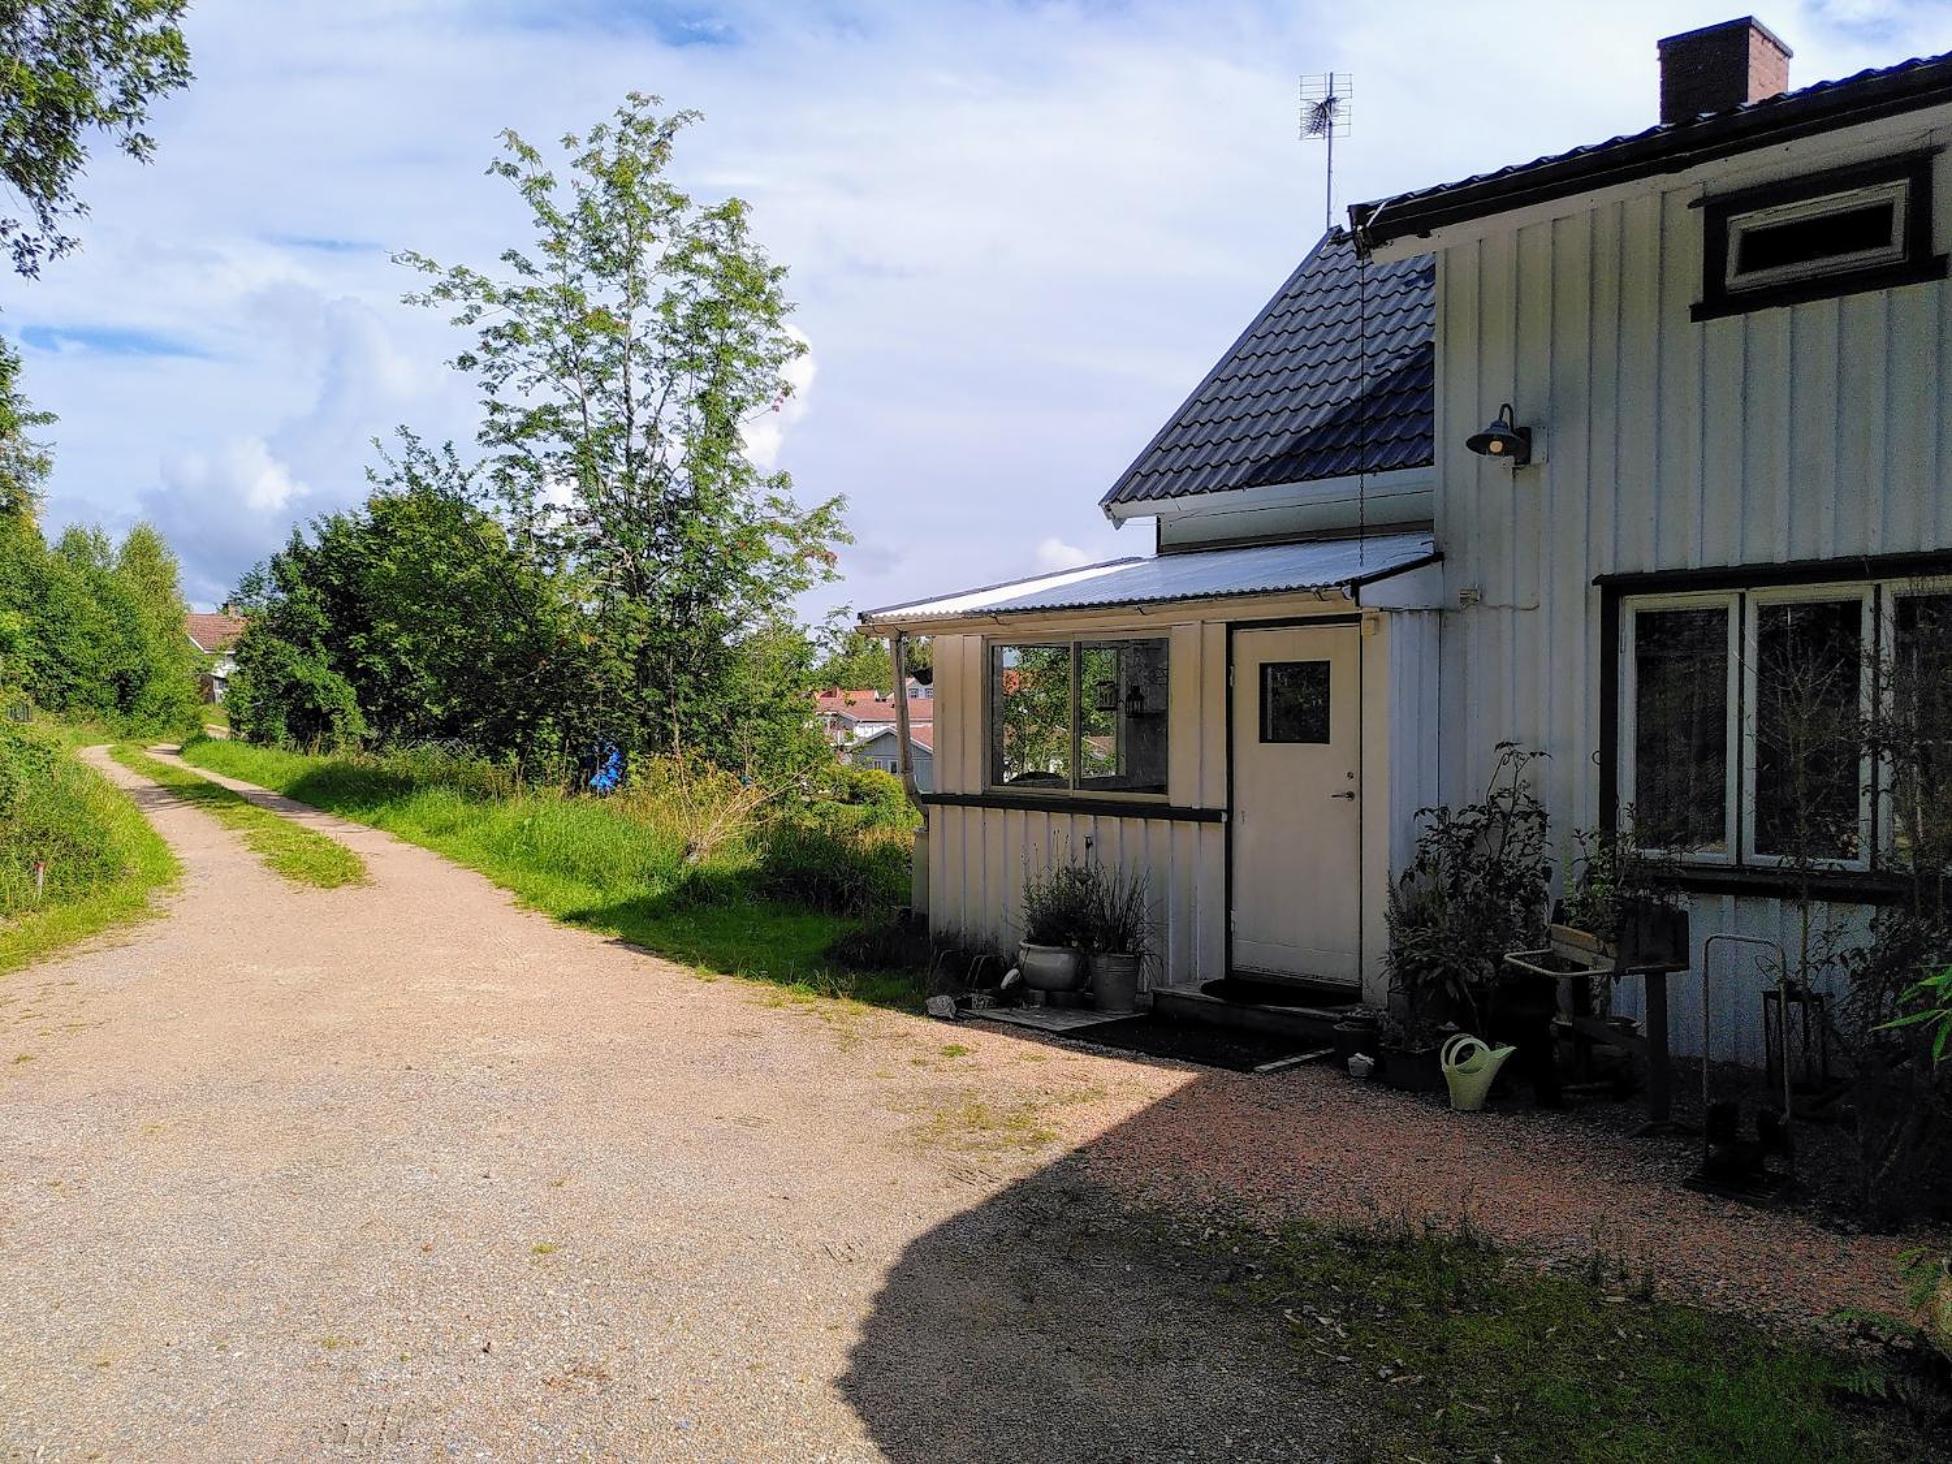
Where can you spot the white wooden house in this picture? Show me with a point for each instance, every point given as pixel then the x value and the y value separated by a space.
pixel 1729 341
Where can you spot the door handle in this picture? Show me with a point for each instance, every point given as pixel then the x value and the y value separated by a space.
pixel 1350 795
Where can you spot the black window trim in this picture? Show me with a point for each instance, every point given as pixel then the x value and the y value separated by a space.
pixel 1918 266
pixel 1893 572
pixel 999 795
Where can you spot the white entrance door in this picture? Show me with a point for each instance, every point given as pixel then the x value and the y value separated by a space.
pixel 1297 809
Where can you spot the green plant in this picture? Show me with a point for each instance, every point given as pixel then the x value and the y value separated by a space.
pixel 1933 997
pixel 1060 906
pixel 1121 920
pixel 1476 887
pixel 1613 880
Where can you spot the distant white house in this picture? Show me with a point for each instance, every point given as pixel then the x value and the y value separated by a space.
pixel 214 634
pixel 1720 350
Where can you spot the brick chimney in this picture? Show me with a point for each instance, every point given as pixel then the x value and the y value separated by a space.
pixel 1721 66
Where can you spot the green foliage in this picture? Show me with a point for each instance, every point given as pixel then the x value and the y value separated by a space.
pixel 845 871
pixel 1453 1349
pixel 89 629
pixel 620 364
pixel 1476 887
pixel 101 859
pixel 852 661
pixel 1121 919
pixel 1932 998
pixel 76 67
pixel 1060 906
pixel 282 693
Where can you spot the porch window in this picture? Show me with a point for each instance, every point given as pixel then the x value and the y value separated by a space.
pixel 1086 716
pixel 1788 727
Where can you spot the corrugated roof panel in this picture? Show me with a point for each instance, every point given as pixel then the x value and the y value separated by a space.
pixel 1324 564
pixel 1333 377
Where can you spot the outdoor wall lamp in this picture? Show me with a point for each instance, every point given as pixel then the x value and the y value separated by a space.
pixel 1503 440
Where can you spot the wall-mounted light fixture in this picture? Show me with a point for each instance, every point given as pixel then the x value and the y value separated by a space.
pixel 1503 440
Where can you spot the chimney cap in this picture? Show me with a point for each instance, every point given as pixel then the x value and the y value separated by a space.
pixel 1741 22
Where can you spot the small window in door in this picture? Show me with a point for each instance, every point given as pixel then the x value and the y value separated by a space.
pixel 1294 701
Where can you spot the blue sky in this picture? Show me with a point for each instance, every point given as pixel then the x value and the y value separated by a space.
pixel 1019 232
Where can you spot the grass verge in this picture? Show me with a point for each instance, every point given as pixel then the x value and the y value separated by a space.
pixel 105 863
pixel 1457 1350
pixel 587 862
pixel 299 854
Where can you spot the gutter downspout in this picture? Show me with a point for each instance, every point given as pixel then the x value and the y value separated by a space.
pixel 904 745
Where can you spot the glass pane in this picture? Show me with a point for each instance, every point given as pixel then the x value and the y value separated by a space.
pixel 1680 722
pixel 1809 730
pixel 1845 232
pixel 1919 742
pixel 1294 701
pixel 1122 716
pixel 1030 716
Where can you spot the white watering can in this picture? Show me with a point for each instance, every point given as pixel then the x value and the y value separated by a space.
pixel 1470 1065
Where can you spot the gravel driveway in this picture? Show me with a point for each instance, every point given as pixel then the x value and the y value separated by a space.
pixel 402 1170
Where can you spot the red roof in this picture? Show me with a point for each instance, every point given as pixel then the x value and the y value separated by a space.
pixel 871 706
pixel 213 632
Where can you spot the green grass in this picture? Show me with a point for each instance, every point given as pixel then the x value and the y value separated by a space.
pixel 599 864
pixel 301 855
pixel 1457 1351
pixel 105 863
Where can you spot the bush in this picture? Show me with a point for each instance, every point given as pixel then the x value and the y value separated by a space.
pixel 51 814
pixel 283 696
pixel 1476 887
pixel 845 872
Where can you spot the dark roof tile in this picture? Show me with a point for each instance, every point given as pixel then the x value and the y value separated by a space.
pixel 1287 403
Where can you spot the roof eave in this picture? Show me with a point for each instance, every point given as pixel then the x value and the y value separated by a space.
pixel 1384 221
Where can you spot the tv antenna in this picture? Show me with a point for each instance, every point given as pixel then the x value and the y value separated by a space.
pixel 1327 109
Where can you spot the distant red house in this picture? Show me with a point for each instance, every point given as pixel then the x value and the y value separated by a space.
pixel 214 633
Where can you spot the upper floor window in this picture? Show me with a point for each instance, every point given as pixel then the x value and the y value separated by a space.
pixel 1861 228
pixel 1088 716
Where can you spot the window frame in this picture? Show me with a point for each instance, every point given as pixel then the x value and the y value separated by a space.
pixel 1755 602
pixel 1630 611
pixel 1879 598
pixel 1884 815
pixel 1070 791
pixel 1908 177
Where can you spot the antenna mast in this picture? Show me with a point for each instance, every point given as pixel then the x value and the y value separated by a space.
pixel 1327 109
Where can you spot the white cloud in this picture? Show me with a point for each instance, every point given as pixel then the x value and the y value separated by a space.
pixel 1019 233
pixel 765 434
pixel 1055 554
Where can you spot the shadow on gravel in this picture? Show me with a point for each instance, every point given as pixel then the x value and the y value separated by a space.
pixel 1055 1322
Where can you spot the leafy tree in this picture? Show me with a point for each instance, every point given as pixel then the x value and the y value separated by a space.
pixel 74 68
pixel 91 629
pixel 852 660
pixel 284 693
pixel 438 621
pixel 619 363
pixel 24 458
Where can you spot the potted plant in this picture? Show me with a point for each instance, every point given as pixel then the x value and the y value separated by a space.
pixel 1622 906
pixel 1121 934
pixel 1060 907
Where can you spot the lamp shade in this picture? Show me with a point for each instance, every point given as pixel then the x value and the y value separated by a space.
pixel 1503 439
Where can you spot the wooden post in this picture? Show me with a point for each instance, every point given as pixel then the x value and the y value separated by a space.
pixel 904 746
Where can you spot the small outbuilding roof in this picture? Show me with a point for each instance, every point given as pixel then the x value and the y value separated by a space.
pixel 1207 574
pixel 1336 376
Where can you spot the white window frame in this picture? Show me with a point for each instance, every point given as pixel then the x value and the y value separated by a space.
pixel 1897 190
pixel 1887 640
pixel 1728 601
pixel 1757 600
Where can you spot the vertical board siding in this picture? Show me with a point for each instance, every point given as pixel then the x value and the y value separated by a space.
pixel 980 857
pixel 1811 431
